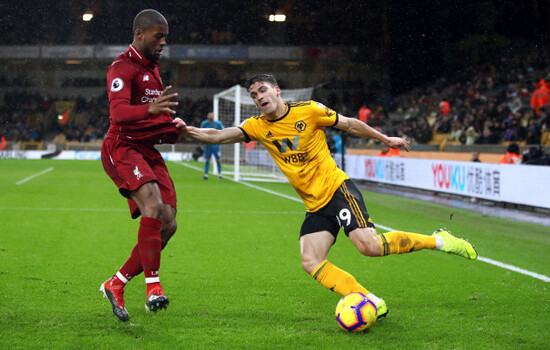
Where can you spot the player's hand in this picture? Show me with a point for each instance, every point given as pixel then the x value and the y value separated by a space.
pixel 398 142
pixel 164 103
pixel 180 124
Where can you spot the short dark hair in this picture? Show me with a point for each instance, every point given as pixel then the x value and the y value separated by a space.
pixel 147 18
pixel 513 148
pixel 264 77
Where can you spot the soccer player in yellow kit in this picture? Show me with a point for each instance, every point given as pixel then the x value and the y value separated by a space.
pixel 293 135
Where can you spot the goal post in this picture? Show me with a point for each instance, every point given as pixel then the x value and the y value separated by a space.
pixel 250 162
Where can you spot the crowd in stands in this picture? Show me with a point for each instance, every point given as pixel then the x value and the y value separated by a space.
pixel 492 104
pixel 496 103
pixel 33 117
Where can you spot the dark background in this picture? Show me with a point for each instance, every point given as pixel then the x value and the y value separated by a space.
pixel 413 41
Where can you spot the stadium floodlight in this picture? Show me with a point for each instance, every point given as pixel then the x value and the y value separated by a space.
pixel 87 16
pixel 277 17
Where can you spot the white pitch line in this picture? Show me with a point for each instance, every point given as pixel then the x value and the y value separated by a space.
pixel 496 263
pixel 480 258
pixel 514 268
pixel 33 176
pixel 250 185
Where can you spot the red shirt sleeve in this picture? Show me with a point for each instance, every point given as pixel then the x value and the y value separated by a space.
pixel 119 82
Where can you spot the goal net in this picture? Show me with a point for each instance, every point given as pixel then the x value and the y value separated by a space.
pixel 249 161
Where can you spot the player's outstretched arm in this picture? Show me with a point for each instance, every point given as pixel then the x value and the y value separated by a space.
pixel 210 136
pixel 358 128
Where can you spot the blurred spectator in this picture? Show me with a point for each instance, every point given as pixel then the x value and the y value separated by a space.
pixel 513 131
pixel 422 133
pixel 541 96
pixel 395 152
pixel 364 114
pixel 535 155
pixel 339 146
pixel 533 135
pixel 457 132
pixel 445 107
pixel 475 157
pixel 471 135
pixel 512 155
pixel 384 152
pixel 544 124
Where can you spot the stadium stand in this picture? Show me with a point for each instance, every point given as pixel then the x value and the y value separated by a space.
pixel 489 101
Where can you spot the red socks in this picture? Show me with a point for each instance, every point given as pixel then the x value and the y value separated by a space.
pixel 150 245
pixel 146 254
pixel 132 266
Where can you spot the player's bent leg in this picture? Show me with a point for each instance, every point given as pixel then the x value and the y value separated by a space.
pixel 399 242
pixel 314 248
pixel 366 241
pixel 453 245
pixel 149 200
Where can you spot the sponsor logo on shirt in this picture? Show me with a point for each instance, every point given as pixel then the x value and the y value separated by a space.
pixel 151 95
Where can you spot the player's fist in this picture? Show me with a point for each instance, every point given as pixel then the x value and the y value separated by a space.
pixel 398 142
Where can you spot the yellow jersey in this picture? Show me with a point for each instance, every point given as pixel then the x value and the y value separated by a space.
pixel 297 143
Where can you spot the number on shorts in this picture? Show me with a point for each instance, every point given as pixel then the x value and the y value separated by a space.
pixel 344 216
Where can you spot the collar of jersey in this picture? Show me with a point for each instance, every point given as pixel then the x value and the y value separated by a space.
pixel 138 56
pixel 283 116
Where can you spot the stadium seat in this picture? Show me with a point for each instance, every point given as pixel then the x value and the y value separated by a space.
pixel 437 139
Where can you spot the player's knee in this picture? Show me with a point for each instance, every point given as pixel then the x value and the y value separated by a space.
pixel 153 209
pixel 366 241
pixel 368 250
pixel 309 263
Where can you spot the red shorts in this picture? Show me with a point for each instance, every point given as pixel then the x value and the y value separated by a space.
pixel 130 166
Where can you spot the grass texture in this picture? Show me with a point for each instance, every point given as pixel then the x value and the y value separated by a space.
pixel 233 273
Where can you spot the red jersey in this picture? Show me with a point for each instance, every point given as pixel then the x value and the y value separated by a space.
pixel 133 82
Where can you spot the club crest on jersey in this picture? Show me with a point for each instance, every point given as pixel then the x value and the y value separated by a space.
pixel 300 125
pixel 138 173
pixel 117 85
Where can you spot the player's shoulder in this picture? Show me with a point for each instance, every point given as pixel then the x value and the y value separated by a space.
pixel 301 104
pixel 313 108
pixel 308 105
pixel 253 120
pixel 257 118
pixel 123 62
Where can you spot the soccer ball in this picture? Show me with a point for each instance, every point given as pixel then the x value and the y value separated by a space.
pixel 355 312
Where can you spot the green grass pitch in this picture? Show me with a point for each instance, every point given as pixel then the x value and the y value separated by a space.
pixel 233 274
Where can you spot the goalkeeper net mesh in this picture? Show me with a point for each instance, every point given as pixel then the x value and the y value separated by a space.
pixel 249 161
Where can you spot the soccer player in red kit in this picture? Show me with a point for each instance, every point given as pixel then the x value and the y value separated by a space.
pixel 140 116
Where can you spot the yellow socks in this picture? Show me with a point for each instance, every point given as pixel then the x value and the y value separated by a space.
pixel 399 242
pixel 338 281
